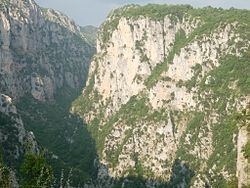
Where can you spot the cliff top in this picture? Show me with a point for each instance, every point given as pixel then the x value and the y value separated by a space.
pixel 210 17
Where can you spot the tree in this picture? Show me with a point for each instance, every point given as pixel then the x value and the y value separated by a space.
pixel 36 172
pixel 5 180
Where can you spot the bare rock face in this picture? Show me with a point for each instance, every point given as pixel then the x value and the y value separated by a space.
pixel 141 45
pixel 41 51
pixel 43 55
pixel 162 94
pixel 6 105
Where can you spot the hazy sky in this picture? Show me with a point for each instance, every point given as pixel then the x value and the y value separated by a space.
pixel 94 12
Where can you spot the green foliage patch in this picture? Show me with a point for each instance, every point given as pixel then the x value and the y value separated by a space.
pixel 246 150
pixel 195 125
pixel 232 70
pixel 5 179
pixel 63 134
pixel 224 154
pixel 36 172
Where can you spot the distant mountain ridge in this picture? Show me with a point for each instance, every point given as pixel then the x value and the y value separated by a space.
pixel 90 32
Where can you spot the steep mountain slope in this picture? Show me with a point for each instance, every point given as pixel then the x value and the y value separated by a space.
pixel 90 32
pixel 41 51
pixel 44 60
pixel 164 96
pixel 15 141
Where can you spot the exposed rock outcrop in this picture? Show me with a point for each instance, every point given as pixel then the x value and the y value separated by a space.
pixel 42 50
pixel 44 60
pixel 164 87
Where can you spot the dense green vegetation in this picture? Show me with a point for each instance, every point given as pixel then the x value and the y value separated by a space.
pixel 245 121
pixel 5 181
pixel 9 128
pixel 195 125
pixel 247 150
pixel 63 134
pixel 35 172
pixel 177 12
pixel 193 129
pixel 223 144
pixel 233 70
pixel 180 173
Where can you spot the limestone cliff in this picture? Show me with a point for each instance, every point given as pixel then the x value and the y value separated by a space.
pixel 44 60
pixel 163 94
pixel 41 51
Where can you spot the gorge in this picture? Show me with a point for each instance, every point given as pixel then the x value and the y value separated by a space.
pixel 161 100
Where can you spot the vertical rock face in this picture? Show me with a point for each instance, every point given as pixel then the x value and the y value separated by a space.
pixel 140 45
pixel 41 51
pixel 163 92
pixel 44 61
